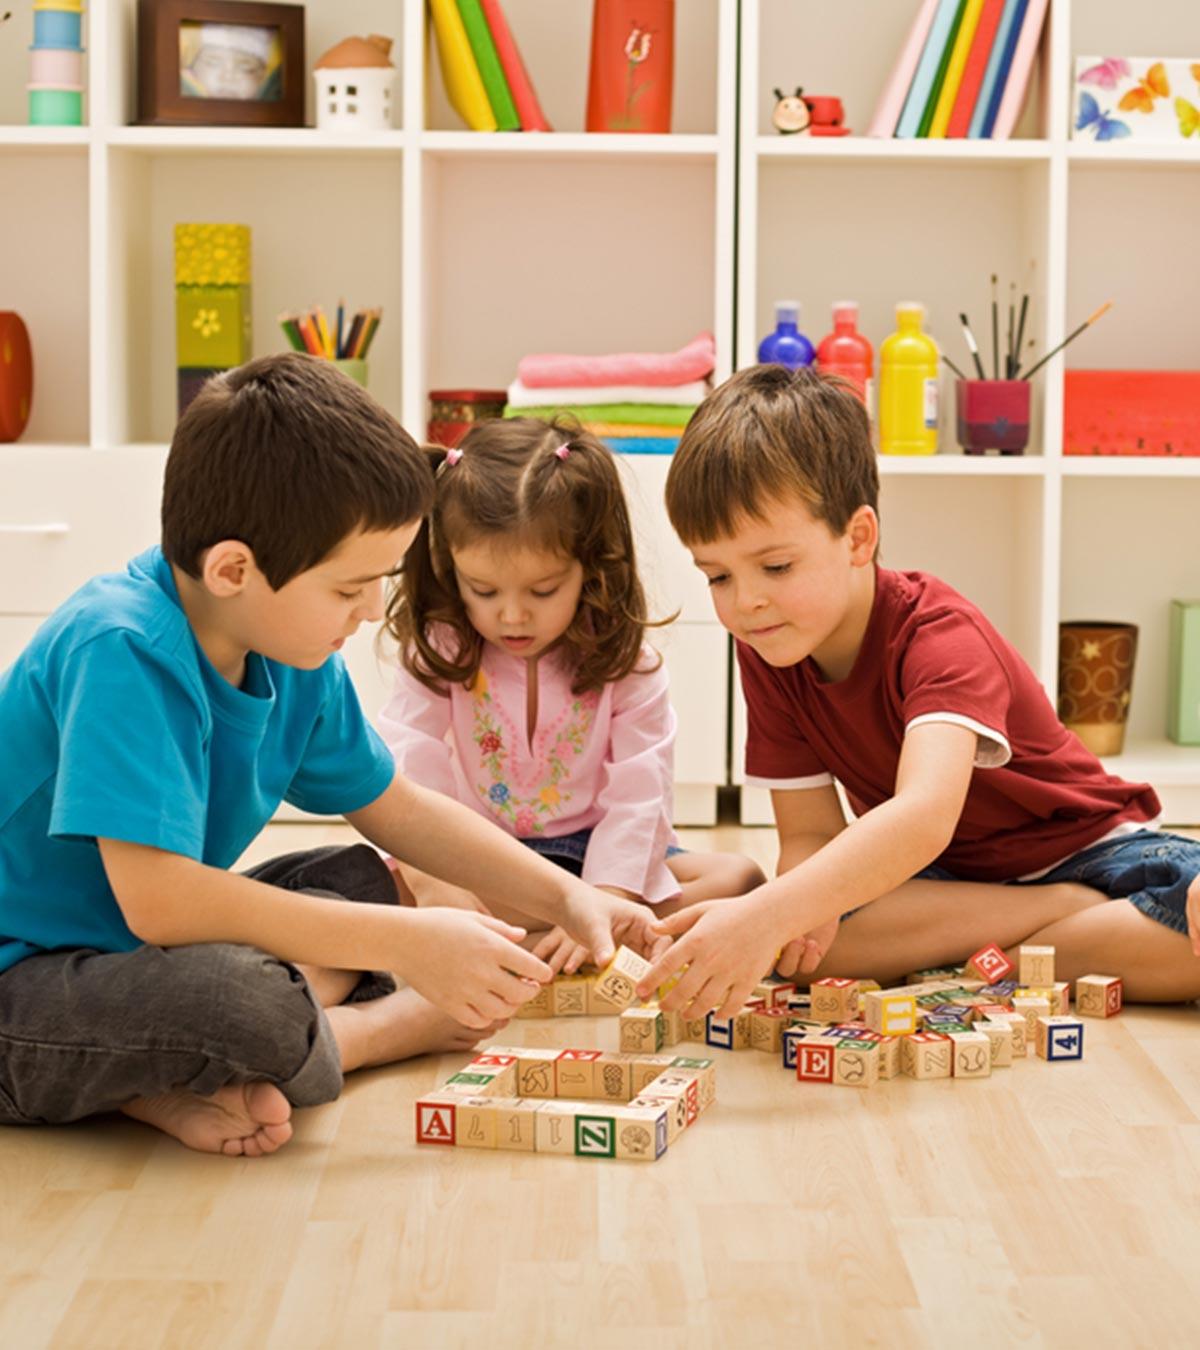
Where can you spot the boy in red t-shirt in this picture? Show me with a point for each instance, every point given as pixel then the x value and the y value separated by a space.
pixel 977 816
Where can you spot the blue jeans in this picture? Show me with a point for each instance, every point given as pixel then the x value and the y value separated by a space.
pixel 1151 869
pixel 569 850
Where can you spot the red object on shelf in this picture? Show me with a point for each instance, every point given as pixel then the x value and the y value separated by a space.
pixel 16 375
pixel 632 68
pixel 992 415
pixel 1132 412
pixel 453 412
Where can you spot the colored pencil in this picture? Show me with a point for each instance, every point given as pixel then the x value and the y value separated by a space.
pixel 995 333
pixel 341 315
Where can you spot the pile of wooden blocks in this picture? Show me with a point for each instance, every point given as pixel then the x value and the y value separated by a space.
pixel 590 1103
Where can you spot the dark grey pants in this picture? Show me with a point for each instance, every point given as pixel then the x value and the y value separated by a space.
pixel 83 1031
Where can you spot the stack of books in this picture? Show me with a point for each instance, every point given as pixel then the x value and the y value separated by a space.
pixel 486 80
pixel 964 71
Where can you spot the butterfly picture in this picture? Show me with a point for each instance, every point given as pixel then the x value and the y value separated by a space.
pixel 1106 127
pixel 1107 72
pixel 1154 84
pixel 1189 117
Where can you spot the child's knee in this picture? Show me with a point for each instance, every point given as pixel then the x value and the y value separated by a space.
pixel 740 874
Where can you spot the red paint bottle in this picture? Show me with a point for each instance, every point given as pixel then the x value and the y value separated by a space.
pixel 847 353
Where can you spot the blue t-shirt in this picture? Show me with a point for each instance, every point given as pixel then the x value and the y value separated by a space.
pixel 114 724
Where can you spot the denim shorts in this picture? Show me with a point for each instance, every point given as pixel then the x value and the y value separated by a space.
pixel 569 850
pixel 1151 869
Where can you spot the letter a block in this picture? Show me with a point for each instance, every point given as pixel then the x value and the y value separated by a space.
pixel 436 1120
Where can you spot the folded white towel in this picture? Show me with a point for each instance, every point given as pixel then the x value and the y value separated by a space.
pixel 521 396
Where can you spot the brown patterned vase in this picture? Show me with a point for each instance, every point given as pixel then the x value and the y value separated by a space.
pixel 1095 682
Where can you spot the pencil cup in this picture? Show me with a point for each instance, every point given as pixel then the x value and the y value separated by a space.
pixel 357 370
pixel 1095 682
pixel 992 415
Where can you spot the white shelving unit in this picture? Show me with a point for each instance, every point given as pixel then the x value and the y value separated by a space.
pixel 482 248
pixel 1040 538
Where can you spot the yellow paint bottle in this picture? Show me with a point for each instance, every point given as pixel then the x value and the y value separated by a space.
pixel 908 387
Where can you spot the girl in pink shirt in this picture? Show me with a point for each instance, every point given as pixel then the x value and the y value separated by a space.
pixel 526 689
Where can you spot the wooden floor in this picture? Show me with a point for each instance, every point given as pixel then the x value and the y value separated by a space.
pixel 1054 1205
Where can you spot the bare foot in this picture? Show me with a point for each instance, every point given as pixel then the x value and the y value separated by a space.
pixel 242 1120
pixel 398 1026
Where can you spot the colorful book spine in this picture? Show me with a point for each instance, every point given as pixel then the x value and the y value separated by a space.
pixel 1010 26
pixel 891 101
pixel 1017 85
pixel 491 72
pixel 529 110
pixel 464 87
pixel 918 91
pixel 940 78
pixel 973 72
pixel 955 68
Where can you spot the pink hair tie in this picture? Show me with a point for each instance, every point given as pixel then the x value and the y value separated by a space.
pixel 563 451
pixel 453 456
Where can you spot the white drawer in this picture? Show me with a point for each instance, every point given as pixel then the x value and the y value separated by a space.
pixel 68 514
pixel 16 630
pixel 670 577
pixel 697 656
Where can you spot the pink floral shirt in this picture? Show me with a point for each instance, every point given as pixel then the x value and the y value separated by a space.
pixel 599 761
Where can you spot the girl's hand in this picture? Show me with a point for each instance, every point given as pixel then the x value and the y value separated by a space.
pixel 562 953
pixel 600 922
pixel 726 949
pixel 1193 915
pixel 469 964
pixel 803 955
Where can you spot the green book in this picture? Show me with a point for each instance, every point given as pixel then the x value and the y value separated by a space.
pixel 939 79
pixel 479 35
pixel 1183 699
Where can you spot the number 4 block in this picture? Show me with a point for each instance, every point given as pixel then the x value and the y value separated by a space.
pixel 1059 1038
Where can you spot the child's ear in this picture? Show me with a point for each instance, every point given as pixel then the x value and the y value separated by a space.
pixel 227 568
pixel 863 534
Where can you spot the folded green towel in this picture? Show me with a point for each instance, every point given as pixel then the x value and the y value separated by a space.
pixel 648 414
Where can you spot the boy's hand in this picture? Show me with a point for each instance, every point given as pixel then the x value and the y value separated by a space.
pixel 470 965
pixel 1193 915
pixel 803 955
pixel 600 922
pixel 563 954
pixel 727 950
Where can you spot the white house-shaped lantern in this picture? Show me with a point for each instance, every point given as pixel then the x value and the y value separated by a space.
pixel 354 85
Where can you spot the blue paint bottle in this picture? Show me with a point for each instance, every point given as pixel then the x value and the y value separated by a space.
pixel 787 345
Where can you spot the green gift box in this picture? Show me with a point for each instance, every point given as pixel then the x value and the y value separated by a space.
pixel 1183 699
pixel 212 326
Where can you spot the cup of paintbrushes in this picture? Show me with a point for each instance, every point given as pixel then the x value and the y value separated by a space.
pixel 992 415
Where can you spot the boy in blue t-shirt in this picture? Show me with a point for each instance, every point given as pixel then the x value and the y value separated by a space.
pixel 149 732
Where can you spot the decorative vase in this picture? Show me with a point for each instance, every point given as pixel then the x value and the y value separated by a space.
pixel 632 68
pixel 1095 682
pixel 16 375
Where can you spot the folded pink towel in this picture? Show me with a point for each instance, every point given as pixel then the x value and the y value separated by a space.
pixel 550 371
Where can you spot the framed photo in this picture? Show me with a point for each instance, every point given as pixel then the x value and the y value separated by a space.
pixel 220 63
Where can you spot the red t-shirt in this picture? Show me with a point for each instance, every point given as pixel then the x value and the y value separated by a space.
pixel 1037 796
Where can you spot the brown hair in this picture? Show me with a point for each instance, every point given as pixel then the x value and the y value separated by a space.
pixel 765 433
pixel 289 456
pixel 510 484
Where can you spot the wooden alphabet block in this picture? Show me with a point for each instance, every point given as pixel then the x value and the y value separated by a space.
pixel 972 1054
pixel 672 1028
pixel 1000 1038
pixel 555 1126
pixel 890 1013
pixel 694 1029
pixel 814 1059
pixel 834 1000
pixel 501 1071
pixel 856 1063
pixel 989 963
pixel 1060 998
pixel 791 1041
pixel 774 993
pixel 536 1073
pixel 612 1077
pixel 616 985
pixel 926 1054
pixel 1036 966
pixel 1099 995
pixel 729 1033
pixel 1020 1031
pixel 516 1121
pixel 437 1115
pixel 889 1056
pixel 641 1132
pixel 595 1136
pixel 480 1084
pixel 675 1109
pixel 705 1073
pixel 645 1069
pixel 674 1083
pixel 575 1074
pixel 570 995
pixel 641 1030
pixel 766 1029
pixel 1059 1038
pixel 477 1122
pixel 540 1005
pixel 1031 1008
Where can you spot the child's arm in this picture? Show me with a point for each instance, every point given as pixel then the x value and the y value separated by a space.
pixel 469 964
pixel 806 819
pixel 451 841
pixel 728 948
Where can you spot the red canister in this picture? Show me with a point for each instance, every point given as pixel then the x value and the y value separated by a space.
pixel 632 68
pixel 453 412
pixel 16 375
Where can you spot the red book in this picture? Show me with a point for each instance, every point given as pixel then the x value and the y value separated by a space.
pixel 526 101
pixel 973 71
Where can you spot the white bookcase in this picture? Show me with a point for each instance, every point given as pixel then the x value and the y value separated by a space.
pixel 482 248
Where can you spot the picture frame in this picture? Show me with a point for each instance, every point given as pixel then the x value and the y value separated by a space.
pixel 235 63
